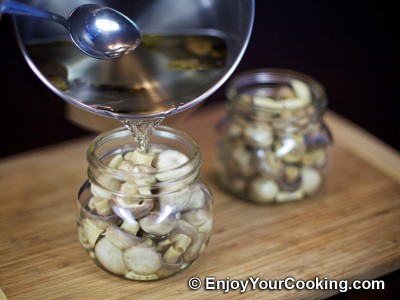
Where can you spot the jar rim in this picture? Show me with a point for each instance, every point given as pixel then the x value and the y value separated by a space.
pixel 161 131
pixel 270 75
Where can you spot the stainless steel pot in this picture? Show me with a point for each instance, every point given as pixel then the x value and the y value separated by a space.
pixel 145 82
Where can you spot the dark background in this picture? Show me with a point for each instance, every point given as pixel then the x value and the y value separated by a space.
pixel 350 47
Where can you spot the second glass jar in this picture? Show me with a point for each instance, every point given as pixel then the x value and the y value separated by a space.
pixel 274 143
pixel 144 216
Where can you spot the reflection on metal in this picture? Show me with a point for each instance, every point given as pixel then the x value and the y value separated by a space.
pixel 149 81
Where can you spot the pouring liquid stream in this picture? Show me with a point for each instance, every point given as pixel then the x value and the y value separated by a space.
pixel 141 131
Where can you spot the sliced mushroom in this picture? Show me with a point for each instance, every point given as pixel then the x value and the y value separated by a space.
pixel 164 245
pixel 91 203
pixel 268 163
pixel 267 102
pixel 206 227
pixel 92 231
pixel 129 188
pixel 241 161
pixel 142 260
pixel 101 189
pixel 139 157
pixel 198 196
pixel 98 220
pixel 295 103
pixel 121 239
pixel 141 177
pixel 290 180
pixel 83 238
pixel 169 164
pixel 183 227
pixel 115 161
pixel 129 208
pixel 192 252
pixel 235 130
pixel 175 201
pixel 131 226
pixel 196 217
pixel 157 224
pixel 283 92
pixel 301 90
pixel 136 276
pixel 263 190
pixel 205 242
pixel 258 135
pixel 181 242
pixel 317 158
pixel 311 180
pixel 102 206
pixel 148 241
pixel 110 257
pixel 289 196
pixel 290 148
pixel 172 255
pixel 168 269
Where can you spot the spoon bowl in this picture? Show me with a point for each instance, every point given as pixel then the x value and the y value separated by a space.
pixel 102 32
pixel 98 31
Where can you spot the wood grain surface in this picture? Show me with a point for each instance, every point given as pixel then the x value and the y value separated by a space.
pixel 350 230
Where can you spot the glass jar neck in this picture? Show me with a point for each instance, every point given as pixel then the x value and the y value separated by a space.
pixel 120 141
pixel 266 96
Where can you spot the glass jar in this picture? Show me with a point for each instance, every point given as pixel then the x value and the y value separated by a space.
pixel 274 143
pixel 144 216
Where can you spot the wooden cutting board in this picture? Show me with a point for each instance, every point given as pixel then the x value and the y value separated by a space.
pixel 351 230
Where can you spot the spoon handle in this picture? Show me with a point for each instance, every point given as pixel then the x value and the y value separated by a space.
pixel 16 8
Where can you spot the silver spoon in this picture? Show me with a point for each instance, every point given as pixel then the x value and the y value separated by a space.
pixel 98 31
